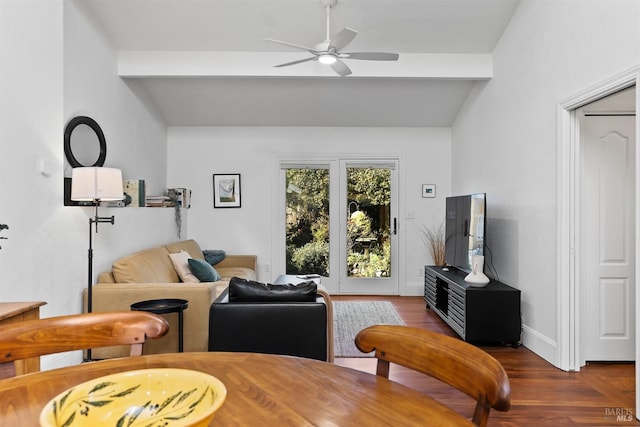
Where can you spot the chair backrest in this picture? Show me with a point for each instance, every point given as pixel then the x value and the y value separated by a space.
pixel 451 360
pixel 32 338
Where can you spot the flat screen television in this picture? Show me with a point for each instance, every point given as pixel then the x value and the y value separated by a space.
pixel 464 230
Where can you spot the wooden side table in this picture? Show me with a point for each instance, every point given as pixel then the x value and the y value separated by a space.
pixel 14 312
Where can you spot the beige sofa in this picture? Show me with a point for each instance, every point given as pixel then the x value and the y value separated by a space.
pixel 150 274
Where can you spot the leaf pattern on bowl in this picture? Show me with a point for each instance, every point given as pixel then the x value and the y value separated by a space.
pixel 74 407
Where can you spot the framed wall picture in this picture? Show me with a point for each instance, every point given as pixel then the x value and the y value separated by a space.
pixel 428 190
pixel 226 191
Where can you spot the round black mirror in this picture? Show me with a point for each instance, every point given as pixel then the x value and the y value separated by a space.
pixel 84 143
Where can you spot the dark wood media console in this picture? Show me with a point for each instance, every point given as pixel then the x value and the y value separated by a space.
pixel 481 315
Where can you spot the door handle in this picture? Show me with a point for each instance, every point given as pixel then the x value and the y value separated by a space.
pixel 395 225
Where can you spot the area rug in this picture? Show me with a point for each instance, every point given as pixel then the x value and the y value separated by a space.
pixel 350 317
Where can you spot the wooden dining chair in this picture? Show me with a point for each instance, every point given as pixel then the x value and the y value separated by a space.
pixel 38 337
pixel 455 362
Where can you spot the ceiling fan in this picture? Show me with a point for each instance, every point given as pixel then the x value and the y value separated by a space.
pixel 330 50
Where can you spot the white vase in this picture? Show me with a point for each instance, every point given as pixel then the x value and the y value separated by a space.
pixel 477 277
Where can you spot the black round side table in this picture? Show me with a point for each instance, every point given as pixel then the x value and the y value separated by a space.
pixel 163 306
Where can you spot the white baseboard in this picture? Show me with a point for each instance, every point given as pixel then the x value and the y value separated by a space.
pixel 412 289
pixel 540 344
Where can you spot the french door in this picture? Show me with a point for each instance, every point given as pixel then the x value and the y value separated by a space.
pixel 340 222
pixel 369 227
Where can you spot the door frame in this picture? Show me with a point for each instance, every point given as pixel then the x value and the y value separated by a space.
pixel 568 218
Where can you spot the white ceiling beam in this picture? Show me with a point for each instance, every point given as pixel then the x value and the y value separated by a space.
pixel 141 64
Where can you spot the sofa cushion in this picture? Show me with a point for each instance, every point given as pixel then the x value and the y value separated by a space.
pixel 203 270
pixel 147 266
pixel 227 273
pixel 242 290
pixel 180 262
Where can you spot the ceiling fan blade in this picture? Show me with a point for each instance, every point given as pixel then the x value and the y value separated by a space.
pixel 373 56
pixel 341 68
pixel 299 61
pixel 308 49
pixel 343 38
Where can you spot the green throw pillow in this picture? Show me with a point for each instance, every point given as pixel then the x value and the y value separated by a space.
pixel 203 270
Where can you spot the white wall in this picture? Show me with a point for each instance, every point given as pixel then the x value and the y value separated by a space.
pixel 55 65
pixel 33 261
pixel 134 132
pixel 504 139
pixel 195 154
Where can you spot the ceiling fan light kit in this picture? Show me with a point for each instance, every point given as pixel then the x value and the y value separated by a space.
pixel 329 51
pixel 327 59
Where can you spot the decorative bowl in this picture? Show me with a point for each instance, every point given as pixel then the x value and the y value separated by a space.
pixel 146 397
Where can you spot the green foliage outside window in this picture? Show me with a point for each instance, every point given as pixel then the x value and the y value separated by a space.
pixel 307 222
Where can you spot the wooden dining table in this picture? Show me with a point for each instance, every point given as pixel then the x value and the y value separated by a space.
pixel 262 390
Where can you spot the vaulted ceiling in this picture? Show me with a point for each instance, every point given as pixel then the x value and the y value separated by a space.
pixel 206 63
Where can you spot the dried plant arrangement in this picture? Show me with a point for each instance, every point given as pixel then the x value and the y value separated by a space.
pixel 434 239
pixel 173 197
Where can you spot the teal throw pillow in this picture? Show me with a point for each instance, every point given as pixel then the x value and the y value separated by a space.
pixel 214 256
pixel 203 270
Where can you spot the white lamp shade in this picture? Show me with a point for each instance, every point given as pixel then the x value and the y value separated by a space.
pixel 94 184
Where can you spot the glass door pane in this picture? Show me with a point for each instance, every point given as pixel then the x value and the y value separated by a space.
pixel 368 222
pixel 307 221
pixel 368 263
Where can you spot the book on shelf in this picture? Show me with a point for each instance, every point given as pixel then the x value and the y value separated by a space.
pixel 158 201
pixel 134 192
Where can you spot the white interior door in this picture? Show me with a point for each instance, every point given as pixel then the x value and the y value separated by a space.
pixel 608 237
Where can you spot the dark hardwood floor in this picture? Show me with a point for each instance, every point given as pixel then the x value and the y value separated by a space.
pixel 541 395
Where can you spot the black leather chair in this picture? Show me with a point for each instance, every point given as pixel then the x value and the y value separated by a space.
pixel 294 320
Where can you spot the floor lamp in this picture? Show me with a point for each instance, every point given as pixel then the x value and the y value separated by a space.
pixel 95 184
